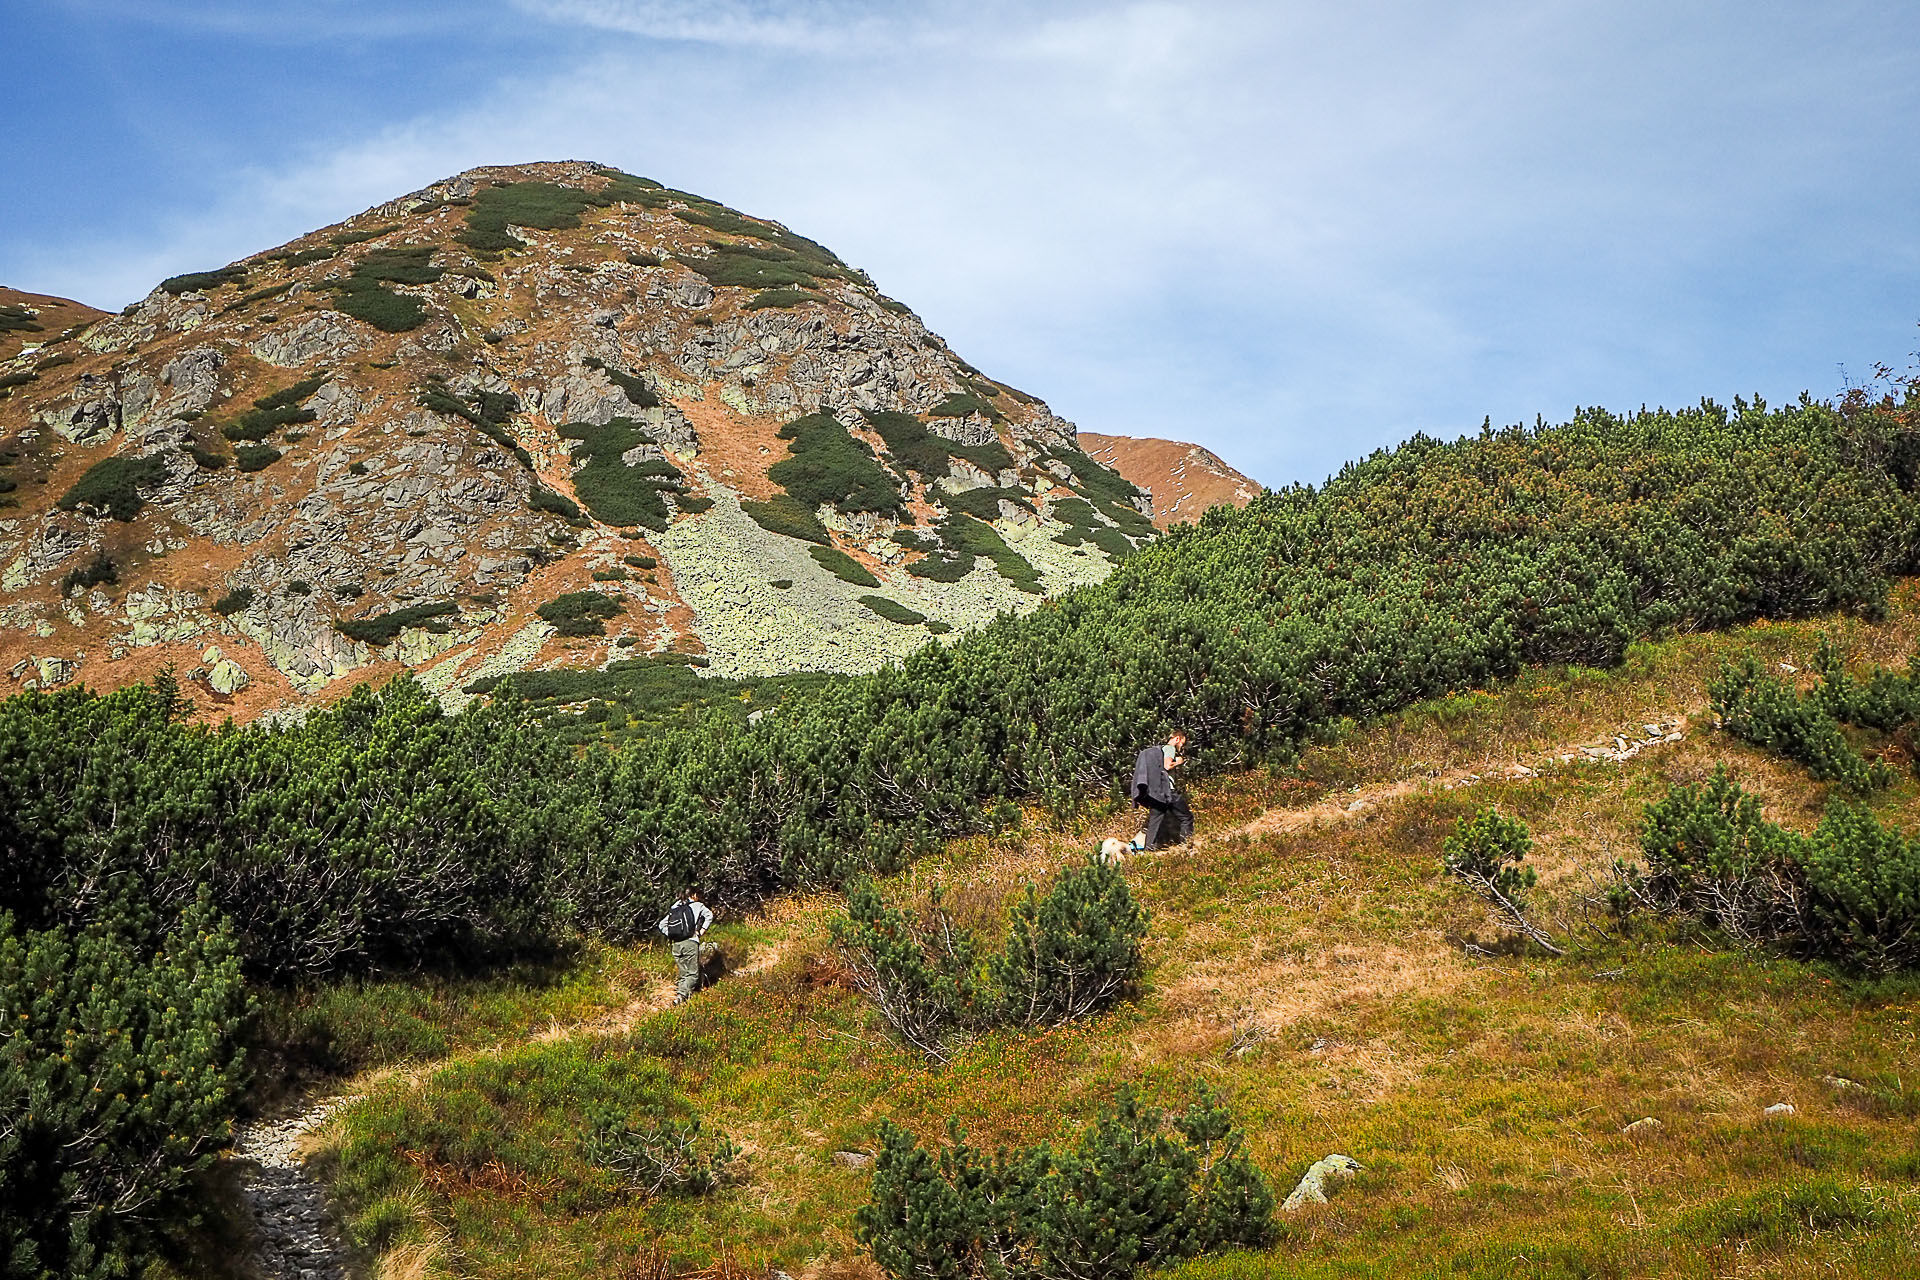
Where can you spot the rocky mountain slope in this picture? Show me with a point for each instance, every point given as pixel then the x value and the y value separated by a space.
pixel 29 321
pixel 532 416
pixel 1183 479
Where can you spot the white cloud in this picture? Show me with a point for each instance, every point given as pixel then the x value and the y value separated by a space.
pixel 1291 232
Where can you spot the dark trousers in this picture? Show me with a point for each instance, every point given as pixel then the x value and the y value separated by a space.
pixel 1174 815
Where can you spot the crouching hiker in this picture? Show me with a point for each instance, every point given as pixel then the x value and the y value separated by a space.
pixel 684 924
pixel 1154 789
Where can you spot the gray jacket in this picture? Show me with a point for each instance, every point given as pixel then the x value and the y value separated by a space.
pixel 1151 781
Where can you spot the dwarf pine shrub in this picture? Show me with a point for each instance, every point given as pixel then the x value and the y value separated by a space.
pixel 1850 892
pixel 1074 952
pixel 581 613
pixel 826 465
pixel 787 516
pixel 893 611
pixel 112 486
pixel 843 566
pixel 616 491
pixel 385 628
pixel 119 1077
pixel 1139 1189
pixel 1765 710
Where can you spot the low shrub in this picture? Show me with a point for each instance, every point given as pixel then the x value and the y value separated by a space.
pixel 893 611
pixel 1766 711
pixel 616 491
pixel 581 613
pixel 782 298
pixel 275 412
pixel 963 541
pixel 752 267
pixel 203 281
pixel 1850 892
pixel 638 393
pixel 1072 953
pixel 384 628
pixel 1139 1190
pixel 964 404
pixel 53 361
pixel 825 464
pixel 345 238
pixel 842 566
pixel 640 562
pixel 643 259
pixel 111 487
pixel 94 573
pixel 255 457
pixel 787 516
pixel 17 379
pixel 660 1157
pixel 982 503
pixel 541 498
pixel 237 600
pixel 119 1076
pixel 547 206
pixel 611 575
pixel 15 318
pixel 363 296
pixel 1486 852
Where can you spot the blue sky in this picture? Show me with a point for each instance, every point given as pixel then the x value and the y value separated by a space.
pixel 1291 232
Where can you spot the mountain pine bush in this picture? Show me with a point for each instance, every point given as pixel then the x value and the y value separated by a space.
pixel 825 464
pixel 1765 710
pixel 1850 892
pixel 1138 1190
pixel 1074 952
pixel 111 487
pixel 119 1076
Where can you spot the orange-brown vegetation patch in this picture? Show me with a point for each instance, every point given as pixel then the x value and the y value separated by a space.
pixel 56 316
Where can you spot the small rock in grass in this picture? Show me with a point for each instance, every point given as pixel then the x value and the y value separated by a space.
pixel 1313 1186
pixel 1780 1109
pixel 1842 1084
pixel 1645 1124
pixel 852 1159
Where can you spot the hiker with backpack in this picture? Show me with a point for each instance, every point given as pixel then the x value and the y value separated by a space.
pixel 686 920
pixel 1153 789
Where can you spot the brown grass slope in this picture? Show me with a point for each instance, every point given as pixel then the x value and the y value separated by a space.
pixel 1184 479
pixel 1307 959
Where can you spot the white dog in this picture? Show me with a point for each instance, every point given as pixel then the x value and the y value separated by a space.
pixel 1114 852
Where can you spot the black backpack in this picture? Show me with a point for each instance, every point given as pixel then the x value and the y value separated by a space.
pixel 680 922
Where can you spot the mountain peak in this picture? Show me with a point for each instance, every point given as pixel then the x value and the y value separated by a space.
pixel 529 416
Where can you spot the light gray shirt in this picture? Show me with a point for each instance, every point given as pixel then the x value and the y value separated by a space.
pixel 702 918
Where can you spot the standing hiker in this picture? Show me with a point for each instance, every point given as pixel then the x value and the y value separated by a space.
pixel 686 920
pixel 1153 787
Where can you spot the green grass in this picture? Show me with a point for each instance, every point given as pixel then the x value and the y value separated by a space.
pixel 843 566
pixel 383 629
pixel 112 486
pixel 786 516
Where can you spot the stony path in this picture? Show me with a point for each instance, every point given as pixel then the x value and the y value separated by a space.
pixel 294 1236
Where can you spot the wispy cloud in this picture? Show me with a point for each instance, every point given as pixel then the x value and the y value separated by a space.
pixel 1292 232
